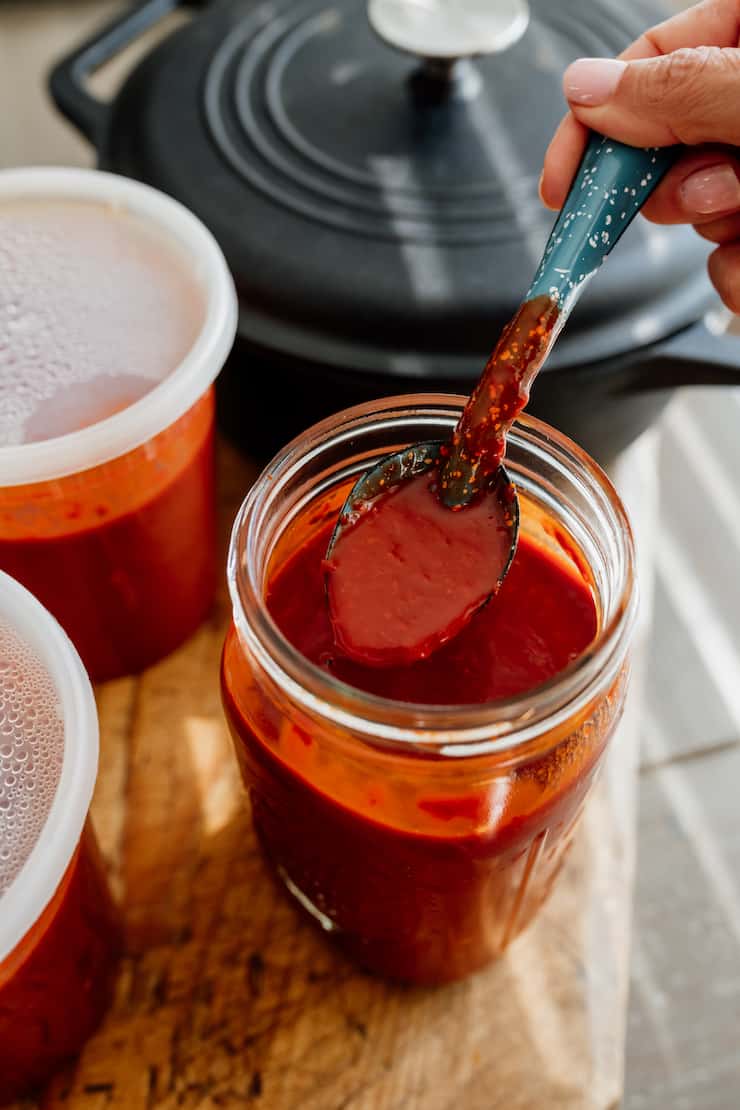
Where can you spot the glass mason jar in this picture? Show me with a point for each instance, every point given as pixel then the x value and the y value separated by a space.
pixel 423 838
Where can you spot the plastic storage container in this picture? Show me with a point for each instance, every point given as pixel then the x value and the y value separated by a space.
pixel 59 938
pixel 112 526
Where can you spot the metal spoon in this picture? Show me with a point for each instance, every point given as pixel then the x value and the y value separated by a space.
pixel 611 185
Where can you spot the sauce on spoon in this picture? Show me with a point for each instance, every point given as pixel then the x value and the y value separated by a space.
pixel 409 565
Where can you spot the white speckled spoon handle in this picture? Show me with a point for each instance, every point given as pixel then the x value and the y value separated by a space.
pixel 612 184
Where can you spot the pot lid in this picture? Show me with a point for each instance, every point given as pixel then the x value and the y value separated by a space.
pixel 379 210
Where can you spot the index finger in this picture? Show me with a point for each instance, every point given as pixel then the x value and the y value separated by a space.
pixel 711 23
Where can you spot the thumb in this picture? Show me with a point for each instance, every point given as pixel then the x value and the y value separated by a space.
pixel 687 96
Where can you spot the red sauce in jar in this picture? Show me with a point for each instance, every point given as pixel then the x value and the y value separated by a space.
pixel 56 985
pixel 123 555
pixel 543 617
pixel 408 575
pixel 424 867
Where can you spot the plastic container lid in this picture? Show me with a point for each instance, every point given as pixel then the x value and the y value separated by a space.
pixel 33 887
pixel 181 388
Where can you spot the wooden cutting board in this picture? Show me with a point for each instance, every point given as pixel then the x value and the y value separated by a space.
pixel 227 998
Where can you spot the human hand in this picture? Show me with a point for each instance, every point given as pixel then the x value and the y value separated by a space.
pixel 678 83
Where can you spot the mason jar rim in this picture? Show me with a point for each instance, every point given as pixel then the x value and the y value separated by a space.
pixel 507 724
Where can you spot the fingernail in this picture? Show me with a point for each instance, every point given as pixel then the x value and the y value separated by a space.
pixel 592 81
pixel 711 190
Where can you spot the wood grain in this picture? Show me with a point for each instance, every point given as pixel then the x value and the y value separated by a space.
pixel 227 998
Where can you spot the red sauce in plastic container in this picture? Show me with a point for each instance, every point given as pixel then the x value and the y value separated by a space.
pixel 123 555
pixel 57 983
pixel 117 312
pixel 59 939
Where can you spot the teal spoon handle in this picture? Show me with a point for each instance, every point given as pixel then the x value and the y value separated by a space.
pixel 612 184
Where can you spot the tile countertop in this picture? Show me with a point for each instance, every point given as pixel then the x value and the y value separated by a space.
pixel 684 1013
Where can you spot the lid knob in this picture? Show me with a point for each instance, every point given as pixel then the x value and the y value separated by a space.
pixel 445 34
pixel 449 29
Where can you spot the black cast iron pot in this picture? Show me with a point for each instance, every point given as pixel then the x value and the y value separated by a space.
pixel 379 211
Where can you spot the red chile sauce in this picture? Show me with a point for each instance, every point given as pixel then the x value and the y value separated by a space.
pixel 426 868
pixel 126 562
pixel 543 617
pixel 411 574
pixel 417 562
pixel 479 440
pixel 56 985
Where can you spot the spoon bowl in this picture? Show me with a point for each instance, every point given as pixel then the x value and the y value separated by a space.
pixel 422 570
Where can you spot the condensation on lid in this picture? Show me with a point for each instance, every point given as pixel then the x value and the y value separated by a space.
pixel 31 751
pixel 118 336
pixel 48 758
pixel 96 307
